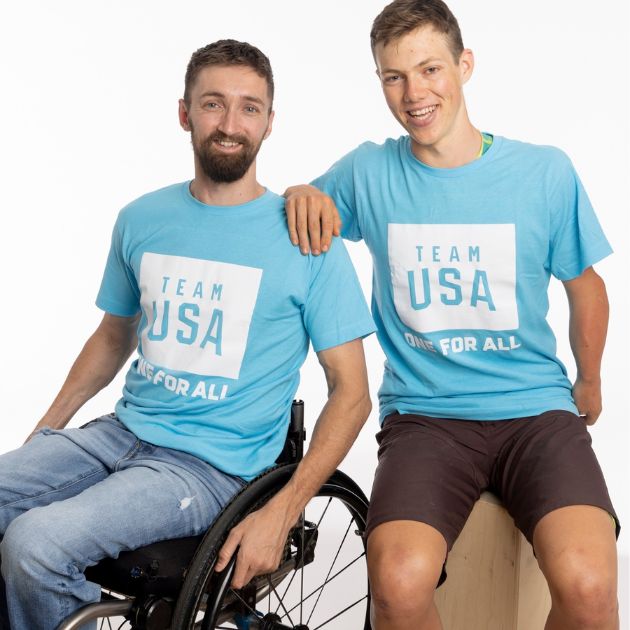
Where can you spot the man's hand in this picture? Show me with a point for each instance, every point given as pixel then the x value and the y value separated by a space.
pixel 312 218
pixel 588 399
pixel 260 539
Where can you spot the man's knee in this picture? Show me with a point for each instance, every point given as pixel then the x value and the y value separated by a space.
pixel 576 549
pixel 586 590
pixel 29 546
pixel 405 561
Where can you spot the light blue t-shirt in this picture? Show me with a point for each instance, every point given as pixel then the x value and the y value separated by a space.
pixel 462 259
pixel 227 309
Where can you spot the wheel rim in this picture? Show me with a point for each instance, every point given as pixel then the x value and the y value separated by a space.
pixel 328 589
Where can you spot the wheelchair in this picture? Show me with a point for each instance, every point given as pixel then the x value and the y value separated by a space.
pixel 321 581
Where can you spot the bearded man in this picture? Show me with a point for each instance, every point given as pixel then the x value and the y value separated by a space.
pixel 221 327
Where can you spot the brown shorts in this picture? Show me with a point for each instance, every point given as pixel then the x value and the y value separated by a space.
pixel 433 470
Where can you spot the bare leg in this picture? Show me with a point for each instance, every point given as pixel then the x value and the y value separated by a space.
pixel 405 561
pixel 576 550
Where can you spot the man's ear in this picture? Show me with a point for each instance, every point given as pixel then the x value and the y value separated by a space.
pixel 269 124
pixel 466 65
pixel 183 115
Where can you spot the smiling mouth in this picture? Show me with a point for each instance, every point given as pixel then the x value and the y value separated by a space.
pixel 422 114
pixel 227 144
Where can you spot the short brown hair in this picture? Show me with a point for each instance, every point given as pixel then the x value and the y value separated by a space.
pixel 403 16
pixel 228 52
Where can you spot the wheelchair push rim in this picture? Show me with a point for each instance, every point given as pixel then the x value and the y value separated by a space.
pixel 321 581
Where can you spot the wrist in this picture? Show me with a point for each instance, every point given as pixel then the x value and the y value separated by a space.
pixel 589 379
pixel 287 504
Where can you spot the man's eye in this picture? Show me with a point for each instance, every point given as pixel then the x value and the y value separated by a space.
pixel 432 69
pixel 392 78
pixel 211 105
pixel 250 109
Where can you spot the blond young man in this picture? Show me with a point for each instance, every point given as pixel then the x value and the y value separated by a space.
pixel 465 230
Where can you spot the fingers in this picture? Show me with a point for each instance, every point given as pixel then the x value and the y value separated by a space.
pixel 228 549
pixel 337 223
pixel 254 557
pixel 243 572
pixel 253 562
pixel 291 210
pixel 297 211
pixel 312 219
pixel 588 400
pixel 330 224
pixel 591 417
pixel 302 224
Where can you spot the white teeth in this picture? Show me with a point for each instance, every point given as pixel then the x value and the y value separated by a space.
pixel 425 111
pixel 225 143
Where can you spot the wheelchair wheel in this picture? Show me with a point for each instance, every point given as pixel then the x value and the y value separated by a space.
pixel 322 578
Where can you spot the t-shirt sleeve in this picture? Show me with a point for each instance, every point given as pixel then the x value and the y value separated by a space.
pixel 577 240
pixel 338 183
pixel 119 293
pixel 335 310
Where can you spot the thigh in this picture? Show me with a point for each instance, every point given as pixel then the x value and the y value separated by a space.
pixel 143 503
pixel 429 470
pixel 55 465
pixel 548 464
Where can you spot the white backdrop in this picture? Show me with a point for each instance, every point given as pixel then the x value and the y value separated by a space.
pixel 89 104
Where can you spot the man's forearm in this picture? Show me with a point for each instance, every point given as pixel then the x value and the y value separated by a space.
pixel 262 534
pixel 588 324
pixel 337 427
pixel 102 356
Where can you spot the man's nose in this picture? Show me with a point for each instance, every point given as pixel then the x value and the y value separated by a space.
pixel 415 90
pixel 229 122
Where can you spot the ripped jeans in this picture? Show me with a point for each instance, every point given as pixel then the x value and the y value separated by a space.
pixel 70 498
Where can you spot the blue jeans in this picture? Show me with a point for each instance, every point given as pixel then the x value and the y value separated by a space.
pixel 70 498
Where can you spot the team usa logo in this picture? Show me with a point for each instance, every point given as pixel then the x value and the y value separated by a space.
pixel 196 313
pixel 454 278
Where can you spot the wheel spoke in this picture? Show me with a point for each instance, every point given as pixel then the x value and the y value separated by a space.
pixel 319 588
pixel 286 612
pixel 329 571
pixel 286 590
pixel 244 602
pixel 321 625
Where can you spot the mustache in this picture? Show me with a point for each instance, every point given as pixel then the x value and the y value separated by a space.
pixel 219 136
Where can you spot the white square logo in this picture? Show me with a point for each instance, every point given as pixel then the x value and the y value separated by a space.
pixel 198 313
pixel 447 277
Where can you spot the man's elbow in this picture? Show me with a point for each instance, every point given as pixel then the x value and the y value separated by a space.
pixel 598 290
pixel 365 405
pixel 595 278
pixel 587 286
pixel 354 399
pixel 357 400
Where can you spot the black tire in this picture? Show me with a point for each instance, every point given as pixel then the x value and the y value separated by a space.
pixel 206 600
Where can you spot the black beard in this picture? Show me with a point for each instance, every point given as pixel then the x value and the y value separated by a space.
pixel 223 168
